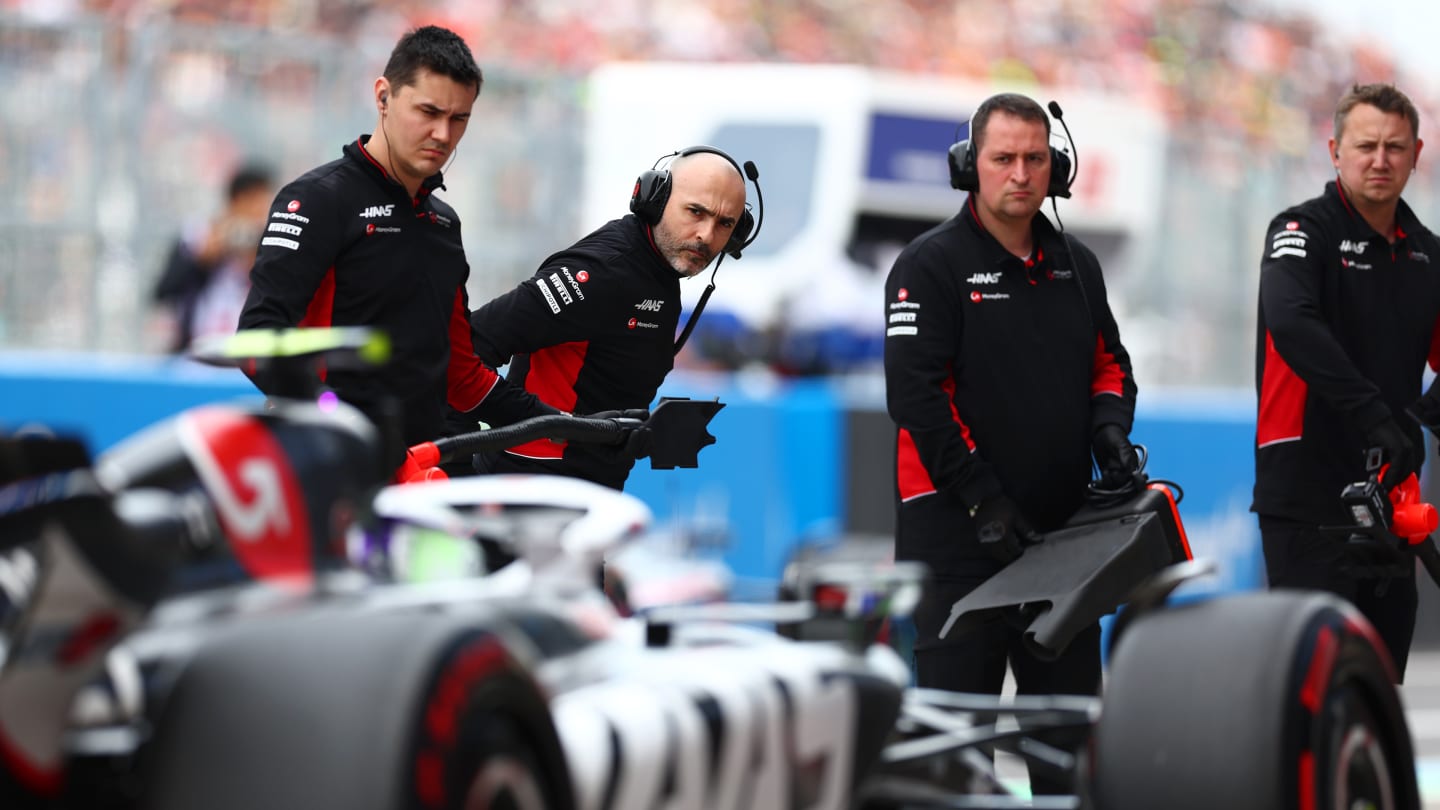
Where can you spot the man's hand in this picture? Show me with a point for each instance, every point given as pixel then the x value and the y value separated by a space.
pixel 1001 529
pixel 1399 452
pixel 637 441
pixel 1115 456
pixel 638 414
pixel 1426 411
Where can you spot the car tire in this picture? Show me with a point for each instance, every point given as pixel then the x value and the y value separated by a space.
pixel 390 711
pixel 1252 702
pixel 488 751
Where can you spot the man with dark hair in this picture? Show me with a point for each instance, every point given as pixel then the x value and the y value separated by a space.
pixel 1004 371
pixel 1349 310
pixel 363 241
pixel 207 273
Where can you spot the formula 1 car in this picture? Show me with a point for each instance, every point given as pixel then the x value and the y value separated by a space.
pixel 257 659
pixel 254 663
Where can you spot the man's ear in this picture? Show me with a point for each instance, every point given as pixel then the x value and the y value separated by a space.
pixel 382 94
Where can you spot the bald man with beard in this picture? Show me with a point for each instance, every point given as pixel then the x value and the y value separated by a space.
pixel 594 328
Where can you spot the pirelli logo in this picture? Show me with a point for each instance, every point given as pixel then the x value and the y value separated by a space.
pixel 549 299
pixel 560 289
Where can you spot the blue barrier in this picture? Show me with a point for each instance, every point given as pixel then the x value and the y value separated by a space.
pixel 775 477
pixel 104 398
pixel 1204 441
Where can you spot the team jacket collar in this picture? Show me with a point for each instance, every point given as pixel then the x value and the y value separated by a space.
pixel 1046 238
pixel 1406 223
pixel 356 151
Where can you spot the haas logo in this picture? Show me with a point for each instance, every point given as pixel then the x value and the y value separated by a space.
pixel 650 305
pixel 373 211
pixel 256 495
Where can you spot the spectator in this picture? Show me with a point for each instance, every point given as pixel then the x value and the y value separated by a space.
pixel 207 274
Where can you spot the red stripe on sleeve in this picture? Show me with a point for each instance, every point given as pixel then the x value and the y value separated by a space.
pixel 1435 346
pixel 1282 400
pixel 467 380
pixel 911 476
pixel 552 376
pixel 1107 377
pixel 321 312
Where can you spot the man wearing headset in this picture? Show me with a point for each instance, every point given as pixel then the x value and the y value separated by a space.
pixel 1003 371
pixel 594 329
pixel 1349 314
pixel 362 241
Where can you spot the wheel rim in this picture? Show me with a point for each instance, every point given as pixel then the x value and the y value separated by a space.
pixel 504 783
pixel 1360 775
pixel 1362 772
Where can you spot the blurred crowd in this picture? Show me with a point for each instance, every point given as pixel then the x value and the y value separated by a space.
pixel 219 81
pixel 1267 76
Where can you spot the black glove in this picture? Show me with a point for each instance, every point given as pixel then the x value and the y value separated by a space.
pixel 1001 529
pixel 1115 456
pixel 638 414
pixel 1398 452
pixel 637 440
pixel 1426 411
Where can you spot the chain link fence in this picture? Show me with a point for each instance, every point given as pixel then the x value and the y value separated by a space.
pixel 116 140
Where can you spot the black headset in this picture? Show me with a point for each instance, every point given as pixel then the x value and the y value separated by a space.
pixel 652 191
pixel 965 177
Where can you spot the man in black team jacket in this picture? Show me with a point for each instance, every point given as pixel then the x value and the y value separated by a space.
pixel 594 328
pixel 1003 369
pixel 362 241
pixel 1348 316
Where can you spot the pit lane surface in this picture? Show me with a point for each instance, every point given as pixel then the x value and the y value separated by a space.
pixel 1421 696
pixel 1421 693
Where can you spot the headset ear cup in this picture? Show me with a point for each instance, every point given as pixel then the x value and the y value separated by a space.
pixel 651 192
pixel 1059 174
pixel 963 175
pixel 741 234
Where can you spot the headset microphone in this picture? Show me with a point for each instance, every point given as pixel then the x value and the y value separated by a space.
pixel 754 175
pixel 1064 237
pixel 1075 162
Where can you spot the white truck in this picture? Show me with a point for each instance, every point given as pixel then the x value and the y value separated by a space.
pixel 852 163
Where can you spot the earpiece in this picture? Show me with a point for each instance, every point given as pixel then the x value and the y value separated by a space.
pixel 965 177
pixel 652 192
pixel 384 99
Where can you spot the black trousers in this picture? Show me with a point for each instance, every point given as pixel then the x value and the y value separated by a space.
pixel 1299 555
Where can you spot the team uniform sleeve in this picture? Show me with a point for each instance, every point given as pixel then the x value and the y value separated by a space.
pixel 293 258
pixel 297 250
pixel 1291 274
pixel 474 387
pixel 544 310
pixel 1427 409
pixel 920 353
pixel 1112 377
